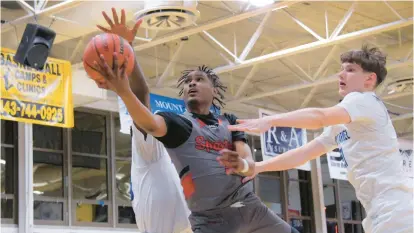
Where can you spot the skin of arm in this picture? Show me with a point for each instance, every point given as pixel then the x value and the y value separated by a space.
pixel 311 118
pixel 292 158
pixel 243 150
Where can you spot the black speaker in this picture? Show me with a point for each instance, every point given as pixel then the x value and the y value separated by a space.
pixel 35 46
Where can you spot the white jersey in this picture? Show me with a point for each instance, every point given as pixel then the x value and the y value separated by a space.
pixel 157 195
pixel 370 147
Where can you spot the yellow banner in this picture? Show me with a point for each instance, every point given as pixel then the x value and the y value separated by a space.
pixel 38 97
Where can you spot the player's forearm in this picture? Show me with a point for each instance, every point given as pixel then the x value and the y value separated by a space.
pixel 285 161
pixel 138 84
pixel 308 118
pixel 293 158
pixel 140 114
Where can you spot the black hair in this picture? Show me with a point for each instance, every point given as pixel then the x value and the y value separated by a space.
pixel 215 80
pixel 370 60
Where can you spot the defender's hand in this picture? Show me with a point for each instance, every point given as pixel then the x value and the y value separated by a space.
pixel 235 164
pixel 260 125
pixel 120 28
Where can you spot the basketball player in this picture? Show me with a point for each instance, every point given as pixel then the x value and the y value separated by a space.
pixel 157 195
pixel 218 202
pixel 362 130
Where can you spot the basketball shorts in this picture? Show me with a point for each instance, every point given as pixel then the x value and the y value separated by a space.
pixel 248 216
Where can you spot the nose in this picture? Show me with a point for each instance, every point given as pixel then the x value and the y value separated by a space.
pixel 192 83
pixel 341 74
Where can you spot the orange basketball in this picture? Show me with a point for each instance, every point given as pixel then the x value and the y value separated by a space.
pixel 106 44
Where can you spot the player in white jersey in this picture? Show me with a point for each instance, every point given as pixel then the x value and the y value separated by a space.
pixel 360 127
pixel 158 199
pixel 157 195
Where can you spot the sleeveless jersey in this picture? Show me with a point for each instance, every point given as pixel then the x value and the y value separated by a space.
pixel 205 183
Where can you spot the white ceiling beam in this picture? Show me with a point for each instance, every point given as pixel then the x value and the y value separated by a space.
pixel 221 46
pixel 29 9
pixel 316 45
pixel 402 117
pixel 313 33
pixel 77 48
pixel 255 37
pixel 48 11
pixel 322 67
pixel 326 25
pixel 330 79
pixel 212 46
pixel 214 24
pixel 393 10
pixel 246 81
pixel 171 64
pixel 343 22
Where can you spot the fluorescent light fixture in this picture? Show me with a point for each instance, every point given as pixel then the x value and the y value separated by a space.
pixel 37 192
pixel 2 161
pixel 260 3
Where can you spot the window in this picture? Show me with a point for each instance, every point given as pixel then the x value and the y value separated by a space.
pixel 299 200
pixel 9 168
pixel 48 175
pixel 89 169
pixel 123 175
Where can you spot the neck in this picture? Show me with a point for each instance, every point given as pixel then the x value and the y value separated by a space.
pixel 201 110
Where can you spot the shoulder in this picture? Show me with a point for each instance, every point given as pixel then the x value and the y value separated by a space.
pixel 361 97
pixel 231 118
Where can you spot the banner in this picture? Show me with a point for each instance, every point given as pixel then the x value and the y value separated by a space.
pixel 279 140
pixel 406 150
pixel 337 165
pixel 158 103
pixel 338 170
pixel 37 97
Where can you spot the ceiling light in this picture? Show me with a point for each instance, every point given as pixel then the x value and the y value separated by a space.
pixel 260 3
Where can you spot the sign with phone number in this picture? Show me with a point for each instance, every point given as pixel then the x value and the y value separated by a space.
pixel 38 97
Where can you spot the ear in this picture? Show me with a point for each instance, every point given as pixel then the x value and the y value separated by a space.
pixel 370 80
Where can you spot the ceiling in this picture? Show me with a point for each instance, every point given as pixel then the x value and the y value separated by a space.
pixel 279 57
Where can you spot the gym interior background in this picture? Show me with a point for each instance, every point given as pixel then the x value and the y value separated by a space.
pixel 273 55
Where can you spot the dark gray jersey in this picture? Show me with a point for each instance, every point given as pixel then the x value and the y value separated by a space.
pixel 205 183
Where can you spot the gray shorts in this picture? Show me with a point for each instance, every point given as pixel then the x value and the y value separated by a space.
pixel 249 216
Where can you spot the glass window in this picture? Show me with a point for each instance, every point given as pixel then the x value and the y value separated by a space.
pixel 46 210
pixel 89 178
pixel 303 226
pixel 8 169
pixel 300 193
pixel 270 193
pixel 8 129
pixel 89 134
pixel 47 162
pixel 332 227
pixel 329 200
pixel 353 228
pixel 351 207
pixel 126 214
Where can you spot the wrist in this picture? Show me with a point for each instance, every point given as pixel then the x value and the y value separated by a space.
pixel 260 167
pixel 126 94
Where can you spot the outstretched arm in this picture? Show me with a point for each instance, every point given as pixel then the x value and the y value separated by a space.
pixel 292 158
pixel 308 118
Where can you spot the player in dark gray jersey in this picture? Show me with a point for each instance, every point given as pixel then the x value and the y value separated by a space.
pixel 219 203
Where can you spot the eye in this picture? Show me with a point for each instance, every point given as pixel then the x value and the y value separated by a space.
pixel 199 79
pixel 187 80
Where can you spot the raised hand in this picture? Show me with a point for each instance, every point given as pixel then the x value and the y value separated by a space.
pixel 260 125
pixel 116 78
pixel 120 28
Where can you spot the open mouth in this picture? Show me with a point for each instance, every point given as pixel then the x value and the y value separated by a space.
pixel 342 84
pixel 192 92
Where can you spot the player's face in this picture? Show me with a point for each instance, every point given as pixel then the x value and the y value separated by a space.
pixel 198 89
pixel 352 78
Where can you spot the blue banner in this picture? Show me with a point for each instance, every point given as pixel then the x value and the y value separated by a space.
pixel 278 140
pixel 158 103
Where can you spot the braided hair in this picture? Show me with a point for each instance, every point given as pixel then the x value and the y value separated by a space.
pixel 215 80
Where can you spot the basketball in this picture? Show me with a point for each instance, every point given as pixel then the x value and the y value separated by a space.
pixel 106 44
